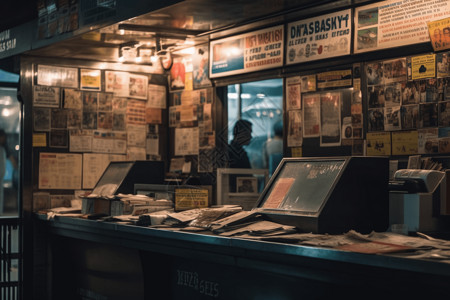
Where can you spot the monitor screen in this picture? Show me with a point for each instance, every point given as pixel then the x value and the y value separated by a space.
pixel 111 179
pixel 302 185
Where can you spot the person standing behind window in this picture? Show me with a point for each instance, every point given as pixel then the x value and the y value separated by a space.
pixel 273 148
pixel 237 156
pixel 242 135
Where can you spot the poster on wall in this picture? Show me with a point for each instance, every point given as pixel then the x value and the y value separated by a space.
pixel 57 76
pixel 394 23
pixel 423 66
pixel 294 138
pixel 200 67
pixel 60 171
pixel 311 115
pixel 90 80
pixel 254 51
pixel 319 37
pixel 440 34
pixel 330 119
pixel 186 141
pixel 46 96
pixel 378 143
pixel 138 85
pixel 293 95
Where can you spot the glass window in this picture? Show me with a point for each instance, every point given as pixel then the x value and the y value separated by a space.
pixel 261 103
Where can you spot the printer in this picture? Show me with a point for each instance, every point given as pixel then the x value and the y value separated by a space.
pixel 414 199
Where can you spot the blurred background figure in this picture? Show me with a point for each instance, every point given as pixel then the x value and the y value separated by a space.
pixel 4 157
pixel 273 148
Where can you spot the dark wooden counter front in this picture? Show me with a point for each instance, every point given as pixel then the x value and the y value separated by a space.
pixel 98 260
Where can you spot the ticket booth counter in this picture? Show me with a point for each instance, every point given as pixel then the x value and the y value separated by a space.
pixel 121 261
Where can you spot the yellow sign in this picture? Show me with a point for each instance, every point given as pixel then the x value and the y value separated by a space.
pixel 39 140
pixel 191 198
pixel 90 80
pixel 423 66
pixel 378 143
pixel 439 31
pixel 405 142
pixel 296 152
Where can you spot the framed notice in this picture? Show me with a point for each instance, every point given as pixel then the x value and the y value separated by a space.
pixel 46 96
pixel 319 37
pixel 395 23
pixel 57 76
pixel 90 80
pixel 254 51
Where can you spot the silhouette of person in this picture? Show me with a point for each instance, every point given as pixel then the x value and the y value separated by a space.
pixel 273 148
pixel 242 135
pixel 237 156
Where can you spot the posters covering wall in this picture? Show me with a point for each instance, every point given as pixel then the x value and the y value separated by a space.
pixel 396 23
pixel 319 37
pixel 254 51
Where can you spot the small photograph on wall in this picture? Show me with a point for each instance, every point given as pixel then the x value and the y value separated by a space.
pixel 138 86
pixel 374 72
pixel 392 118
pixel 59 119
pixel 410 92
pixel 247 184
pixel 72 99
pixel 428 115
pixel 119 104
pixel 89 120
pixel 74 118
pixel 376 119
pixel 444 114
pixel 105 101
pixel 105 120
pixel 90 100
pixel 59 138
pixel 410 116
pixel 119 122
pixel 394 70
pixel 177 74
pixel 443 64
pixel 376 96
pixel 41 119
pixel 393 94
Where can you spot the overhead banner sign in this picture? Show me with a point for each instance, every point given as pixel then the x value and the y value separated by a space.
pixel 320 37
pixel 393 23
pixel 259 50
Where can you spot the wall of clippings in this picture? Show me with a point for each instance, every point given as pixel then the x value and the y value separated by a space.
pixel 191 110
pixel 85 118
pixel 409 105
pixel 324 113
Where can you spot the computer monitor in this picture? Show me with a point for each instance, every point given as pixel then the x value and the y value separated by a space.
pixel 121 176
pixel 329 195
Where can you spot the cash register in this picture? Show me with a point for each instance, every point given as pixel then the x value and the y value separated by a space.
pixel 414 199
pixel 329 194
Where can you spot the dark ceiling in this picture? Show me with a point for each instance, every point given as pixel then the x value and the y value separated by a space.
pixel 195 21
pixel 16 12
